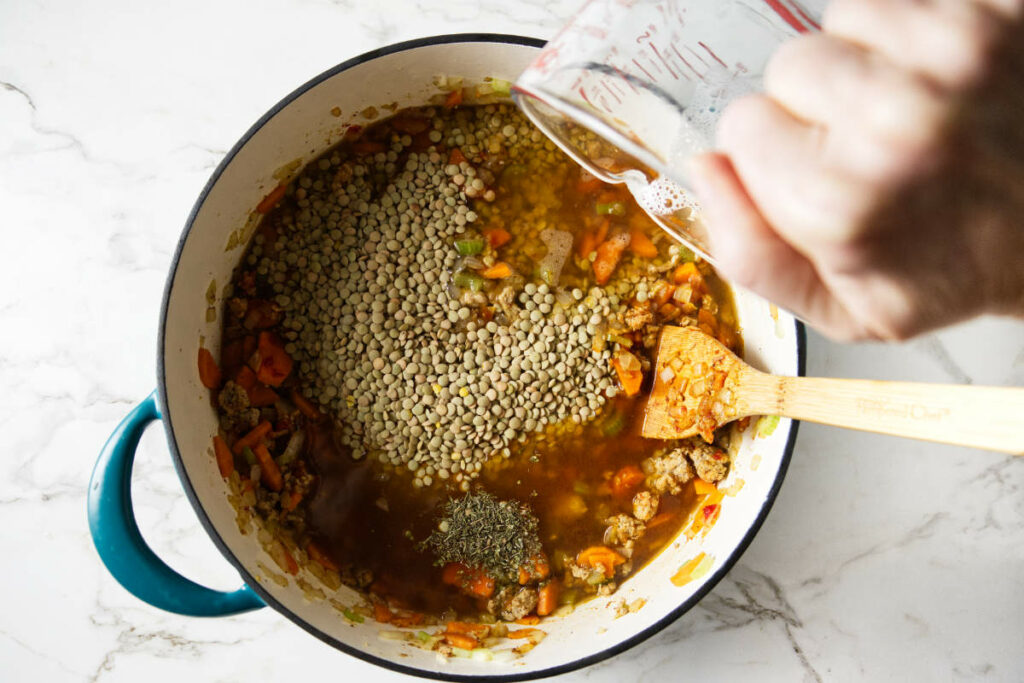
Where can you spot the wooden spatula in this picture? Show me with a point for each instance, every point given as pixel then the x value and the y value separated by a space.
pixel 700 384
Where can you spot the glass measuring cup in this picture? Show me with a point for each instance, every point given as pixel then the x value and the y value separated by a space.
pixel 631 89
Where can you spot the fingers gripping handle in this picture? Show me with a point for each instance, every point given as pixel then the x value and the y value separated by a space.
pixel 120 544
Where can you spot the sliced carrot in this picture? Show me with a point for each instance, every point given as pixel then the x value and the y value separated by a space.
pixel 456 156
pixel 524 576
pixel 497 271
pixel 246 378
pixel 706 323
pixel 291 501
pixel 225 461
pixel 451 575
pixel 470 580
pixel 274 363
pixel 703 488
pixel 454 99
pixel 683 274
pixel 602 230
pixel 497 237
pixel 641 245
pixel 271 200
pixel 535 568
pixel 626 480
pixel 529 620
pixel 664 293
pixel 631 380
pixel 587 244
pixel 658 520
pixel 463 641
pixel 320 557
pixel 305 407
pixel 481 585
pixel 259 394
pixel 547 599
pixel 600 557
pixel 608 254
pixel 523 632
pixel 293 566
pixel 381 613
pixel 468 629
pixel 209 373
pixel 253 437
pixel 271 473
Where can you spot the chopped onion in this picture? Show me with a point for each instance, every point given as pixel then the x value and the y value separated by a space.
pixel 559 244
pixel 667 375
pixel 394 635
pixel 504 656
pixel 294 447
pixel 564 610
pixel 481 654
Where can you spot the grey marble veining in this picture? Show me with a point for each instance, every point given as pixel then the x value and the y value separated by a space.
pixel 883 559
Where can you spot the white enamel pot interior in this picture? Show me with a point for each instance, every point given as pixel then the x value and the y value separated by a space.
pixel 301 127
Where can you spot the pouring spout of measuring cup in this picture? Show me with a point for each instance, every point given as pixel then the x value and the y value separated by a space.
pixel 632 91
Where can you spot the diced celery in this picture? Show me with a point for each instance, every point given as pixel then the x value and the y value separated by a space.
pixel 469 247
pixel 352 616
pixel 467 280
pixel 766 425
pixel 500 87
pixel 610 209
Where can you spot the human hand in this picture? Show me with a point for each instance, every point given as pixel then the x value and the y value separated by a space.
pixel 877 188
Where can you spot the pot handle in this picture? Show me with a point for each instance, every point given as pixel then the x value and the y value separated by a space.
pixel 122 548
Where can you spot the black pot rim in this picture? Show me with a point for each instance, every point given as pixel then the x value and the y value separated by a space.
pixel 721 570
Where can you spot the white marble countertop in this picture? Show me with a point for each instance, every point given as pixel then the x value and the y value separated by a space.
pixel 883 559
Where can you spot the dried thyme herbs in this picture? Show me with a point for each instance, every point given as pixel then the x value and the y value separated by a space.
pixel 478 530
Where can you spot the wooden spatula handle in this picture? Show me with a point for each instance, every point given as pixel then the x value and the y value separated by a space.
pixel 980 417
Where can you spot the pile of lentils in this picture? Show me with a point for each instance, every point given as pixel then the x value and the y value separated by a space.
pixel 382 338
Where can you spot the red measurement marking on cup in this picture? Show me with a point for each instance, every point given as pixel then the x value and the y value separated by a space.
pixel 810 21
pixel 663 60
pixel 610 91
pixel 698 57
pixel 646 72
pixel 712 53
pixel 583 94
pixel 698 74
pixel 786 15
pixel 625 78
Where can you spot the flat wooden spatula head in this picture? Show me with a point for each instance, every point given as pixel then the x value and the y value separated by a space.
pixel 695 385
